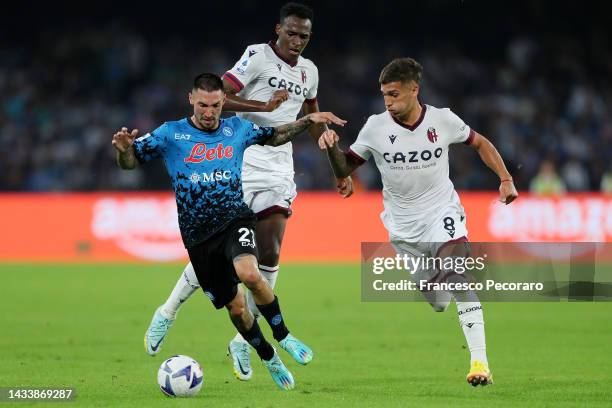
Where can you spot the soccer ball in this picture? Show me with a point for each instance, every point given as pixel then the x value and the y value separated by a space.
pixel 180 376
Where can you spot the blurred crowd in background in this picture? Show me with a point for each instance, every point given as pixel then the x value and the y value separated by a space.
pixel 543 98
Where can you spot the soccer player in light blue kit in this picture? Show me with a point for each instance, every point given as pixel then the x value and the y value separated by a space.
pixel 269 85
pixel 203 155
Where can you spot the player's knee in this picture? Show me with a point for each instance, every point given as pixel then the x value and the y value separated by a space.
pixel 440 306
pixel 251 278
pixel 269 256
pixel 236 310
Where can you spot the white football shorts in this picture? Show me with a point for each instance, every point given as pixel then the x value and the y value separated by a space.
pixel 268 193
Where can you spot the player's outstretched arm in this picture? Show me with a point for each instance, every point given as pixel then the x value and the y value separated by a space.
pixel 491 157
pixel 286 133
pixel 234 103
pixel 342 163
pixel 344 185
pixel 123 142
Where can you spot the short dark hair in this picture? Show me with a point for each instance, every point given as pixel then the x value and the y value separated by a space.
pixel 208 82
pixel 296 9
pixel 402 70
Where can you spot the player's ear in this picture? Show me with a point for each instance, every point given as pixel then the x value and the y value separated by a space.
pixel 277 29
pixel 415 89
pixel 191 99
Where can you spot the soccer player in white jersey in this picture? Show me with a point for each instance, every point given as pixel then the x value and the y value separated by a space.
pixel 422 212
pixel 270 84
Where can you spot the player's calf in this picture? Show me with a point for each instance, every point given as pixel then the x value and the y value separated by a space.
pixel 249 329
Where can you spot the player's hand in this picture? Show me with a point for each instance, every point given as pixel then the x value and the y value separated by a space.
pixel 277 98
pixel 328 139
pixel 325 117
pixel 123 139
pixel 507 192
pixel 345 186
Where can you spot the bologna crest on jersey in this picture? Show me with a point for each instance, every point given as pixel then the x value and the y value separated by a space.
pixel 431 135
pixel 304 77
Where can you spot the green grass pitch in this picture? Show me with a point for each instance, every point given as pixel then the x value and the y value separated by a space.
pixel 82 326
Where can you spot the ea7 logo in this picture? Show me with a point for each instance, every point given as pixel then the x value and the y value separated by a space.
pixel 181 136
pixel 412 157
pixel 199 153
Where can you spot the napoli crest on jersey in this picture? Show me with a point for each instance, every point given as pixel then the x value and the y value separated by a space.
pixel 227 131
pixel 431 135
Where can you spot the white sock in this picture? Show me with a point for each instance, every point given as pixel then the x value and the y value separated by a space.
pixel 186 285
pixel 472 323
pixel 270 273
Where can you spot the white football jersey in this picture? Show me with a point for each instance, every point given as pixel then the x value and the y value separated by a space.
pixel 413 163
pixel 258 74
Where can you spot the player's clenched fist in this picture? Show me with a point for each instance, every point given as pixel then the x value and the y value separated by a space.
pixel 328 139
pixel 277 98
pixel 344 186
pixel 123 139
pixel 507 192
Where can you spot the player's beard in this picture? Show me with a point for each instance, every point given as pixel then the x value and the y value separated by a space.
pixel 208 124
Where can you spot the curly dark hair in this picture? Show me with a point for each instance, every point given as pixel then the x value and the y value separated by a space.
pixel 296 9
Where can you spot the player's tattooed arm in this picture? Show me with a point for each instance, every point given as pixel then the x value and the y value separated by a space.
pixel 491 157
pixel 286 133
pixel 341 162
pixel 123 142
